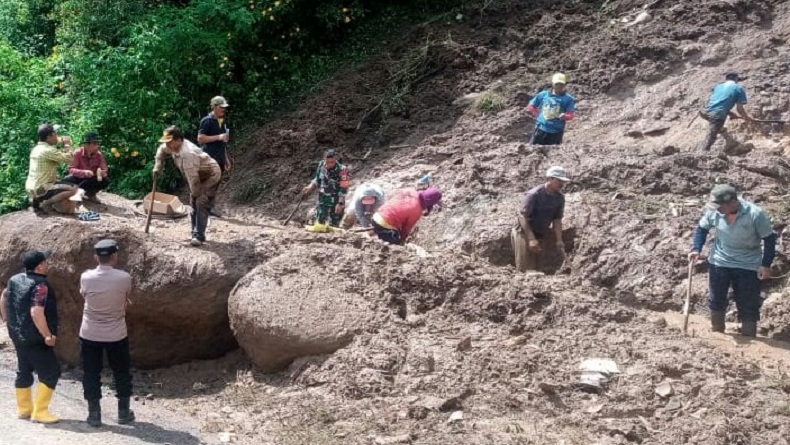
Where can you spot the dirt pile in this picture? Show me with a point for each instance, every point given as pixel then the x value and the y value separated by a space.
pixel 315 298
pixel 179 310
pixel 509 360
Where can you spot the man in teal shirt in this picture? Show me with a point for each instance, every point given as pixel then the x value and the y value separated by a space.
pixel 736 258
pixel 725 96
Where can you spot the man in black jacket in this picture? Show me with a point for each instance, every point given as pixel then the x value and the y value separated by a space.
pixel 28 306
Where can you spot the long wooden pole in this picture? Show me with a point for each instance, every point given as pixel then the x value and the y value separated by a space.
pixel 687 303
pixel 151 205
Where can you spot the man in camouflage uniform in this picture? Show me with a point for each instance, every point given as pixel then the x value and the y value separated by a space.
pixel 332 180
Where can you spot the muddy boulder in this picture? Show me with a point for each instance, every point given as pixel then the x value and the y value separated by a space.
pixel 310 300
pixel 179 310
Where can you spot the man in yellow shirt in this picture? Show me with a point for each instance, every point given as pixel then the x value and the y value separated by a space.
pixel 43 188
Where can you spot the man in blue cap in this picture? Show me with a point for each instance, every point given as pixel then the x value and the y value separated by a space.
pixel 736 259
pixel 724 97
pixel 106 292
pixel 29 309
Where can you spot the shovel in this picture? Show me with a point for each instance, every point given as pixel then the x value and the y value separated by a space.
pixel 687 303
pixel 298 204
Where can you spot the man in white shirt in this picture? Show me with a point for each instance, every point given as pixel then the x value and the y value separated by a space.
pixel 106 292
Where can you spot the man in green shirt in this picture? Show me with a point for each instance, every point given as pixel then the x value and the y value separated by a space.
pixel 43 187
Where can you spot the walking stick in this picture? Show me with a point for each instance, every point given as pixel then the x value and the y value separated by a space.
pixel 151 206
pixel 687 303
pixel 298 204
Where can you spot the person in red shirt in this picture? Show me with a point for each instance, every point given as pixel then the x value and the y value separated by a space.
pixel 88 168
pixel 396 219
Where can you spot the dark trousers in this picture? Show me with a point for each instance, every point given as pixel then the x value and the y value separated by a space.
pixel 39 359
pixel 201 207
pixel 540 137
pixel 52 192
pixel 92 186
pixel 714 128
pixel 745 286
pixel 391 236
pixel 92 356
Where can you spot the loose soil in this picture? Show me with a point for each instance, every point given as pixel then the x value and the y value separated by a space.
pixel 509 360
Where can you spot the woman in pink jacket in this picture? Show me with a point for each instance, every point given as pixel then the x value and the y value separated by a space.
pixel 396 219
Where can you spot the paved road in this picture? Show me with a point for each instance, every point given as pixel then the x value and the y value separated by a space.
pixel 153 426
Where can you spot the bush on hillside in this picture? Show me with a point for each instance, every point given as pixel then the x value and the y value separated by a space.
pixel 128 69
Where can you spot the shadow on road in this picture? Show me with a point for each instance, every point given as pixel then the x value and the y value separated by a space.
pixel 145 431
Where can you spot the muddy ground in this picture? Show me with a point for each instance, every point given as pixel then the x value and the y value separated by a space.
pixel 510 363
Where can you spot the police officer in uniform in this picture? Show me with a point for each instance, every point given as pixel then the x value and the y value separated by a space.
pixel 106 292
pixel 28 307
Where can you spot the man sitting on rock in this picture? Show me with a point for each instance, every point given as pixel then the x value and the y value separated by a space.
pixel 542 209
pixel 88 168
pixel 332 179
pixel 725 96
pixel 397 218
pixel 201 172
pixel 44 189
pixel 366 201
pixel 736 259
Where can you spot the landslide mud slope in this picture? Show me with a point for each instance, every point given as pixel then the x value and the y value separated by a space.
pixel 461 342
pixel 640 187
pixel 640 183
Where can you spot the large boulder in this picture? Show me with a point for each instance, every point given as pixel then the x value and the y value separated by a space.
pixel 322 294
pixel 179 310
pixel 300 303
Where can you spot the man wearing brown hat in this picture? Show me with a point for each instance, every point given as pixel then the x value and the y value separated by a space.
pixel 106 292
pixel 214 133
pixel 724 97
pixel 736 258
pixel 201 172
pixel 28 307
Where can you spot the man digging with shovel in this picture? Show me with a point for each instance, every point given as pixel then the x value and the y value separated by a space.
pixel 724 97
pixel 736 258
pixel 332 180
pixel 201 172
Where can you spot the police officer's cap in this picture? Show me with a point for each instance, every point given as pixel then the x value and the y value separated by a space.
pixel 106 247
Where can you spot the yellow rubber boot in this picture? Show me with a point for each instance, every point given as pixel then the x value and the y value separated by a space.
pixel 317 228
pixel 41 408
pixel 24 402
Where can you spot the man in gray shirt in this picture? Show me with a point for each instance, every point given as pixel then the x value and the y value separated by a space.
pixel 540 220
pixel 106 291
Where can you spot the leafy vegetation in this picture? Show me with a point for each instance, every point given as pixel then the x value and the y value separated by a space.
pixel 490 103
pixel 129 68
